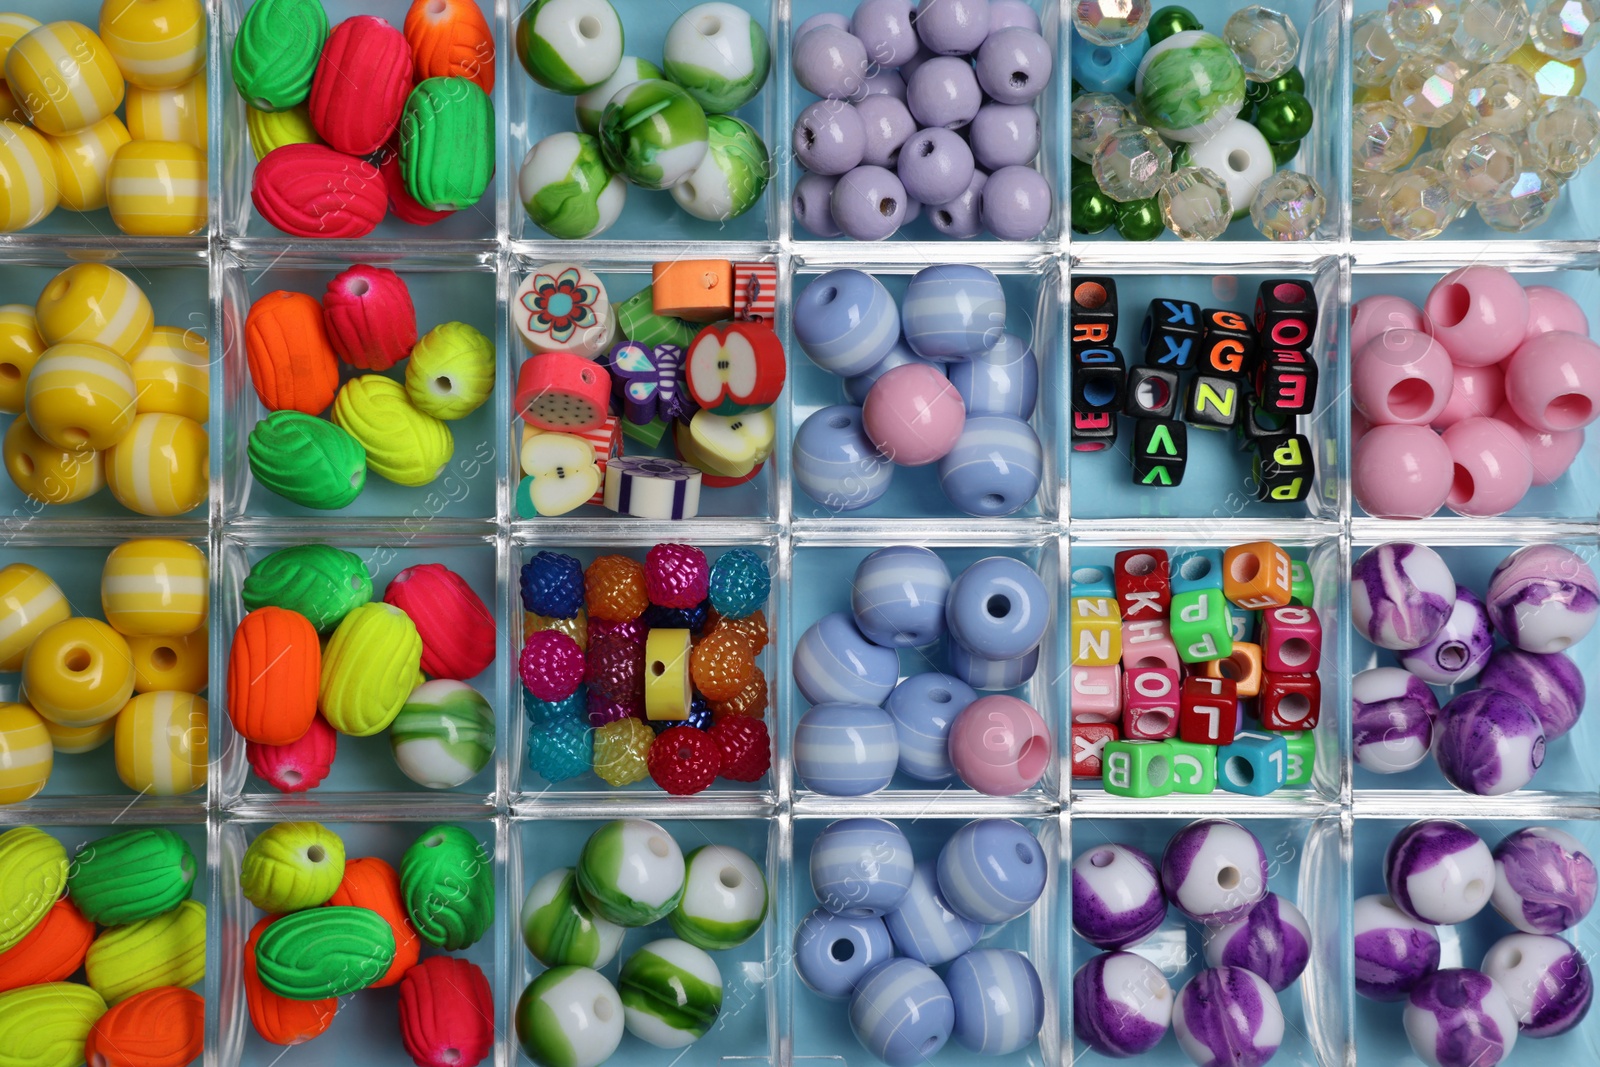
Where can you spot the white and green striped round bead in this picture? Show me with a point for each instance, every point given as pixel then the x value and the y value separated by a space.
pixel 560 930
pixel 724 899
pixel 719 54
pixel 444 734
pixel 653 133
pixel 731 178
pixel 591 105
pixel 671 993
pixel 631 872
pixel 569 46
pixel 569 1017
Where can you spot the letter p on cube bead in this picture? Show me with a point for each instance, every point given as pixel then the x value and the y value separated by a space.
pixel 1200 626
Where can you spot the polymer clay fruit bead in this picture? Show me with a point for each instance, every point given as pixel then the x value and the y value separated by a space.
pixel 98 304
pixel 78 672
pixel 653 133
pixel 724 899
pixel 132 875
pixel 560 930
pixel 568 189
pixel 361 84
pixel 172 374
pixel 158 189
pixel 444 735
pixel 307 460
pixel 369 316
pixel 450 39
pixel 46 1025
pixel 311 190
pixel 83 159
pixel 169 949
pixel 447 878
pixel 80 396
pixel 447 143
pixel 734 367
pixel 404 445
pixel 162 466
pixel 274 670
pixel 176 114
pixel 30 603
pixel 63 76
pixel 371 883
pixel 324 952
pixel 162 1027
pixel 161 743
pixel 33 872
pixel 321 582
pixel 299 765
pixel 274 129
pixel 155 586
pixel 456 626
pixel 31 193
pixel 49 474
pixel 157 44
pixel 291 866
pixel 275 53
pixel 569 1017
pixel 169 663
pixel 26 753
pixel 671 993
pixel 631 872
pixel 277 1018
pixel 369 667
pixel 446 1013
pixel 51 951
pixel 20 343
pixel 451 371
pixel 569 47
pixel 292 362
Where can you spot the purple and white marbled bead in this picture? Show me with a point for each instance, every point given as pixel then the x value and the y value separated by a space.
pixel 1272 940
pixel 1544 882
pixel 1228 1017
pixel 1543 598
pixel 1391 719
pixel 1460 649
pixel 1488 742
pixel 1548 682
pixel 1121 1004
pixel 1545 979
pixel 1438 871
pixel 1393 951
pixel 1400 594
pixel 1460 1018
pixel 1116 896
pixel 1213 870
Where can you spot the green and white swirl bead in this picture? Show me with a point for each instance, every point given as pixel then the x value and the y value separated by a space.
pixel 569 1017
pixel 732 177
pixel 631 872
pixel 444 734
pixel 719 54
pixel 560 930
pixel 1189 86
pixel 653 133
pixel 671 993
pixel 569 46
pixel 724 899
pixel 567 189
pixel 592 104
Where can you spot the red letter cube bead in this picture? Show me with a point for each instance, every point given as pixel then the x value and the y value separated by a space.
pixel 1089 741
pixel 1291 640
pixel 1096 694
pixel 1290 701
pixel 1149 723
pixel 1144 584
pixel 1209 715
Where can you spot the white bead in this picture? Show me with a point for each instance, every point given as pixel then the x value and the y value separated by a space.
pixel 591 1014
pixel 1241 157
pixel 1519 965
pixel 1225 875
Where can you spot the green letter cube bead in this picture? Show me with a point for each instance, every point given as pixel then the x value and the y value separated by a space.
pixel 1200 626
pixel 276 52
pixel 447 143
pixel 1194 767
pixel 1301 589
pixel 1302 757
pixel 1137 769
pixel 1254 765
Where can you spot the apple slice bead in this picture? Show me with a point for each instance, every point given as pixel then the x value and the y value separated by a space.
pixel 734 367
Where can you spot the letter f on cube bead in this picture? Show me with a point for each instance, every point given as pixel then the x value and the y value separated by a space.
pixel 1096 631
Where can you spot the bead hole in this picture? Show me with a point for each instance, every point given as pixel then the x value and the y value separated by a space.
pixel 1035 754
pixel 1569 411
pixel 657 668
pixel 1155 720
pixel 1090 295
pixel 1142 564
pixel 1410 399
pixel 944 218
pixel 1157 771
pixel 434 842
pixel 888 206
pixel 75 436
pixel 291 777
pixel 842 950
pixel 437 7
pixel 316 854
pixel 998 606
pixel 930 1045
pixel 1100 57
pixel 730 878
pixel 1476 890
pixel 1239 160
pixel 442 384
pixel 659 847
pixel 602 1009
pixel 1024 854
pixel 939 696
pixel 77 660
pixel 1289 293
pixel 993 500
pixel 1294 707
pixel 163 658
pixel 1295 651
pixel 1453 655
pixel 839 422
pixel 450 1055
pixel 1451 306
pixel 1228 877
pixel 1088 575
pixel 1195 568
pixel 1243 773
pixel 589 27
pixel 1462 486
pixel 359 287
pixel 9 372
pixel 828 295
pixel 1514 958
pixel 1102 858
pixel 926 148
pixel 1019 79
pixel 711 25
pixel 1245 568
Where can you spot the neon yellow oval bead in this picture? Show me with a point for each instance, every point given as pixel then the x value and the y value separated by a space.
pixel 27 177
pixel 169 949
pixel 33 872
pixel 291 866
pixel 162 467
pixel 161 743
pixel 156 43
pixel 155 586
pixel 82 160
pixel 49 474
pixel 172 373
pixel 20 347
pixel 76 740
pixel 80 396
pixel 175 114
pixel 274 129
pixel 369 667
pixel 64 77
pixel 158 189
pixel 26 755
pixel 78 672
pixel 47 1025
pixel 165 662
pixel 30 603
pixel 95 303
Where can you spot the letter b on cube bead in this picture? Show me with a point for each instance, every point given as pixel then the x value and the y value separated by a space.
pixel 1302 758
pixel 1138 769
pixel 1253 765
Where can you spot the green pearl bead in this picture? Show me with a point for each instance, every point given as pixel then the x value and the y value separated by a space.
pixel 1284 117
pixel 1167 21
pixel 1290 81
pixel 1255 92
pixel 1082 174
pixel 1092 210
pixel 1283 153
pixel 1140 220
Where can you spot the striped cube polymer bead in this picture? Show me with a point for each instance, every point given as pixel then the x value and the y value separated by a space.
pixel 64 77
pixel 172 374
pixel 157 44
pixel 155 586
pixel 27 177
pixel 162 467
pixel 98 304
pixel 83 160
pixel 158 189
pixel 175 114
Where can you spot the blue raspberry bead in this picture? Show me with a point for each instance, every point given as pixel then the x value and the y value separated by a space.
pixel 552 585
pixel 543 711
pixel 700 714
pixel 562 748
pixel 657 617
pixel 740 583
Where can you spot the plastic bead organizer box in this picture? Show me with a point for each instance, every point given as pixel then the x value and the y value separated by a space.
pixel 1324 839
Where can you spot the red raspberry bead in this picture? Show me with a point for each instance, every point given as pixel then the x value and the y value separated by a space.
pixel 614 589
pixel 746 747
pixel 633 629
pixel 722 665
pixel 684 761
pixel 552 665
pixel 677 576
pixel 616 670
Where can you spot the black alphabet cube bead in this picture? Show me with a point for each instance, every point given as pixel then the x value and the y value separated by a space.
pixel 1093 431
pixel 1286 314
pixel 1227 343
pixel 1092 317
pixel 1099 379
pixel 1160 452
pixel 1171 333
pixel 1286 381
pixel 1284 468
pixel 1152 393
pixel 1213 402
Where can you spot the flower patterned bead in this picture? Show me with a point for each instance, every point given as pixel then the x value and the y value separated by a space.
pixel 563 307
pixel 1228 1015
pixel 1122 1004
pixel 1460 1018
pixel 1401 594
pixel 1393 951
pixel 1546 980
pixel 1438 871
pixel 1544 880
pixel 64 77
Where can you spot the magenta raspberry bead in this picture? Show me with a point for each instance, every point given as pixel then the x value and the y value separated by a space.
pixel 676 576
pixel 615 670
pixel 552 665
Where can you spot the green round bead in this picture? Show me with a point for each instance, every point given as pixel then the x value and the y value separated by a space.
pixel 1255 92
pixel 714 69
pixel 1290 81
pixel 1140 220
pixel 560 930
pixel 1082 174
pixel 1190 86
pixel 307 460
pixel 1284 117
pixel 724 899
pixel 276 52
pixel 544 43
pixel 569 1017
pixel 324 952
pixel 1283 153
pixel 1166 21
pixel 447 880
pixel 321 582
pixel 631 872
pixel 1092 210
pixel 733 175
pixel 567 189
pixel 654 134
pixel 671 993
pixel 447 143
pixel 134 875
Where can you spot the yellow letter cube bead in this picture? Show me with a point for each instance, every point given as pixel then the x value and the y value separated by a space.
pixel 26 754
pixel 83 160
pixel 161 662
pixel 76 740
pixel 30 603
pixel 95 303
pixel 80 396
pixel 172 374
pixel 162 467
pixel 175 114
pixel 156 43
pixel 158 189
pixel 78 672
pixel 20 347
pixel 27 177
pixel 64 77
pixel 161 743
pixel 49 474
pixel 1096 631
pixel 155 586
pixel 274 129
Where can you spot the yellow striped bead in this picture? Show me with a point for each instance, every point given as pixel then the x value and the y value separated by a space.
pixel 95 303
pixel 155 586
pixel 64 77
pixel 161 743
pixel 27 177
pixel 78 672
pixel 172 373
pixel 26 754
pixel 49 474
pixel 163 466
pixel 170 662
pixel 80 396
pixel 83 159
pixel 156 43
pixel 13 28
pixel 176 114
pixel 76 740
pixel 20 348
pixel 30 603
pixel 9 108
pixel 274 129
pixel 158 189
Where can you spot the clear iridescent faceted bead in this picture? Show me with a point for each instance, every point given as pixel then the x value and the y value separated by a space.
pixel 1380 137
pixel 1488 30
pixel 1374 51
pixel 1367 190
pixel 1565 29
pixel 1565 134
pixel 1094 117
pixel 1110 22
pixel 1195 204
pixel 1554 77
pixel 1289 206
pixel 1531 200
pixel 1132 164
pixel 1481 164
pixel 1419 205
pixel 1427 89
pixel 1499 97
pixel 1422 26
pixel 1264 40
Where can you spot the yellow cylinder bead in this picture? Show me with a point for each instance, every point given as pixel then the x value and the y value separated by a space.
pixel 76 740
pixel 163 466
pixel 14 27
pixel 64 77
pixel 175 114
pixel 171 373
pixel 157 44
pixel 666 674
pixel 161 743
pixel 178 663
pixel 27 177
pixel 30 603
pixel 49 474
pixel 168 950
pixel 80 396
pixel 33 872
pixel 26 754
pixel 82 160
pixel 20 347
pixel 95 303
pixel 155 587
pixel 78 672
pixel 158 189
pixel 274 129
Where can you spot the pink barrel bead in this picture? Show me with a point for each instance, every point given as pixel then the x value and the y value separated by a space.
pixel 1479 314
pixel 913 414
pixel 1402 376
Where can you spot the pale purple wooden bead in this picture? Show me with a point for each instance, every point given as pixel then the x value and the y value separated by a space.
pixel 943 92
pixel 1543 598
pixel 1488 742
pixel 885 82
pixel 830 62
pixel 1460 1018
pixel 1548 682
pixel 887 125
pixel 1004 135
pixel 1015 203
pixel 952 27
pixel 1544 882
pixel 1214 870
pixel 1003 13
pixel 1461 648
pixel 1546 980
pixel 884 28
pixel 1272 940
pixel 1014 66
pixel 1116 896
pixel 1401 594
pixel 812 204
pixel 935 166
pixel 829 137
pixel 1438 871
pixel 963 216
pixel 869 203
pixel 1391 719
pixel 826 18
pixel 1393 951
pixel 1228 1017
pixel 1121 1004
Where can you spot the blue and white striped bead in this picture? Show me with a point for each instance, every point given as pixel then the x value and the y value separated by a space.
pixel 1001 381
pixel 836 464
pixel 923 707
pixel 992 870
pixel 832 953
pixel 995 467
pixel 924 927
pixel 999 1001
pixel 833 663
pixel 846 321
pixel 898 596
pixel 856 388
pixel 991 675
pixel 861 867
pixel 902 1013
pixel 845 750
pixel 952 312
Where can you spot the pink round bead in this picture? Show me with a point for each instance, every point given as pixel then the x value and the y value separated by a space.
pixel 1402 376
pixel 551 665
pixel 1479 314
pixel 676 576
pixel 1474 392
pixel 1550 451
pixel 914 414
pixel 1553 381
pixel 1377 315
pixel 1400 472
pixel 999 745
pixel 1550 309
pixel 1359 425
pixel 1492 469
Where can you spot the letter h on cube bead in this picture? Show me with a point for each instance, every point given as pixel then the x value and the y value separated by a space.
pixel 1096 631
pixel 1149 644
pixel 1208 715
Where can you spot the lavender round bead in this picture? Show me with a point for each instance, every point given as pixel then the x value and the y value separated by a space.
pixel 962 217
pixel 885 82
pixel 884 29
pixel 1228 1016
pixel 869 203
pixel 1461 648
pixel 835 663
pixel 1460 1018
pixel 826 18
pixel 1014 66
pixel 898 596
pixel 829 137
pixel 924 927
pixel 1543 598
pixel 812 204
pixel 1117 899
pixel 1001 381
pixel 943 92
pixel 1214 870
pixel 1544 882
pixel 1121 1004
pixel 992 870
pixel 1393 951
pixel 1488 742
pixel 1004 135
pixel 861 868
pixel 935 166
pixel 830 62
pixel 924 707
pixel 902 1013
pixel 1003 13
pixel 1015 203
pixel 952 27
pixel 886 125
pixel 1400 594
pixel 833 952
pixel 846 321
pixel 1548 682
pixel 1546 980
pixel 1272 940
pixel 1392 714
pixel 857 386
pixel 1438 871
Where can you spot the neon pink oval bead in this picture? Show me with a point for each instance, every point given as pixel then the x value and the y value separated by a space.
pixel 1492 469
pixel 1400 472
pixel 1401 376
pixel 1479 314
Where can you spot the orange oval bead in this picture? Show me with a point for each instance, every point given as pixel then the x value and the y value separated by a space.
pixel 162 1027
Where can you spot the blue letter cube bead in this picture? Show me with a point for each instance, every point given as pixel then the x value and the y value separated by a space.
pixel 992 870
pixel 951 312
pixel 898 596
pixel 991 675
pixel 1196 570
pixel 845 750
pixel 846 322
pixel 1103 68
pixel 902 1013
pixel 1002 381
pixel 833 952
pixel 1255 764
pixel 923 707
pixel 861 867
pixel 995 467
pixel 999 1001
pixel 857 387
pixel 836 464
pixel 998 608
pixel 923 926
pixel 1091 581
pixel 833 663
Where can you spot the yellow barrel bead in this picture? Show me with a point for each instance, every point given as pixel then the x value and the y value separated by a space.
pixel 82 160
pixel 155 586
pixel 64 77
pixel 163 466
pixel 369 667
pixel 78 672
pixel 158 189
pixel 26 754
pixel 80 396
pixel 14 27
pixel 95 303
pixel 30 603
pixel 161 743
pixel 49 474
pixel 168 950
pixel 175 114
pixel 162 662
pixel 171 373
pixel 274 129
pixel 20 347
pixel 9 108
pixel 47 1025
pixel 27 177
pixel 76 740
pixel 156 43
